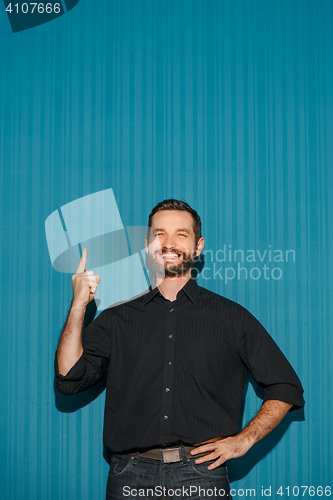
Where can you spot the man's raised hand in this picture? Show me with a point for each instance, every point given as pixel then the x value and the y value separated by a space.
pixel 85 283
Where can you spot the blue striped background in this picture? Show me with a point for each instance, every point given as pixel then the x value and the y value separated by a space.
pixel 224 103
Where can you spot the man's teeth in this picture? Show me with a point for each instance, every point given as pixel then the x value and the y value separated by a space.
pixel 170 255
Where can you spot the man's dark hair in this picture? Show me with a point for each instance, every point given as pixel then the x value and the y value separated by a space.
pixel 181 206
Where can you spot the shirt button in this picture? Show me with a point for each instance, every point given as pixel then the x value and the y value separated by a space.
pixel 166 417
pixel 171 310
pixel 167 389
pixel 169 362
pixel 170 336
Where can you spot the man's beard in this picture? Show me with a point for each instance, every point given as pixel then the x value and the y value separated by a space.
pixel 168 268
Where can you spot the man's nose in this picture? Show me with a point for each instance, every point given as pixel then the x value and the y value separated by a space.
pixel 169 241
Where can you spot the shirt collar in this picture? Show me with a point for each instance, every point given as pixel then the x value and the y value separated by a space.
pixel 191 289
pixel 150 295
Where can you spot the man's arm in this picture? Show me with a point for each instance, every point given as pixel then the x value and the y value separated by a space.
pixel 70 347
pixel 268 417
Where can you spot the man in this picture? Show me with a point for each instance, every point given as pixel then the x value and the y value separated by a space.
pixel 176 360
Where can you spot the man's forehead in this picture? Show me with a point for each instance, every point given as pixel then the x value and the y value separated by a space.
pixel 175 219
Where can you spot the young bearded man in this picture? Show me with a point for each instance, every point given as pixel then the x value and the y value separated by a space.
pixel 176 360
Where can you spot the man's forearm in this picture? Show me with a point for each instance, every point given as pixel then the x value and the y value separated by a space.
pixel 268 417
pixel 70 347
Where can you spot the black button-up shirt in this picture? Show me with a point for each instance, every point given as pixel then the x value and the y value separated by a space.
pixel 176 370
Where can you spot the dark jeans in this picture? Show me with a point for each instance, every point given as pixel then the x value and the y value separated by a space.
pixel 136 478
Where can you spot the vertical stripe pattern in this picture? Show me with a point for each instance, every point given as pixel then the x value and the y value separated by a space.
pixel 227 104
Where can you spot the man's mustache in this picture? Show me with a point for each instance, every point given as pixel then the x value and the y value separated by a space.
pixel 169 250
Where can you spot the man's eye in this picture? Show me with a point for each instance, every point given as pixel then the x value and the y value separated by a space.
pixel 182 234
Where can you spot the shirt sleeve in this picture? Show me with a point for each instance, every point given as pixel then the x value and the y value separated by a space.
pixel 93 364
pixel 268 365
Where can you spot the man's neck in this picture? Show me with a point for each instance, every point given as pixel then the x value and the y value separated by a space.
pixel 169 286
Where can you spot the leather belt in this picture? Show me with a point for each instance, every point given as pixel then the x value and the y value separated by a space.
pixel 170 455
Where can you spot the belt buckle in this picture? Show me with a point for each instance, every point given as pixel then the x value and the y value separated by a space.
pixel 171 455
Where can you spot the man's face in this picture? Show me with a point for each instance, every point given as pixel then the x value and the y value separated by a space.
pixel 171 247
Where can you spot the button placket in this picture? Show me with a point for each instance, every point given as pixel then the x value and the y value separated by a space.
pixel 169 351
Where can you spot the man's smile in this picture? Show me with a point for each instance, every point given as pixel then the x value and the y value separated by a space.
pixel 170 256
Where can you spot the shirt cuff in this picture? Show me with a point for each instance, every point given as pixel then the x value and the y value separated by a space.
pixel 68 384
pixel 287 393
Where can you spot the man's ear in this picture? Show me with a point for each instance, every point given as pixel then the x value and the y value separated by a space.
pixel 146 243
pixel 200 246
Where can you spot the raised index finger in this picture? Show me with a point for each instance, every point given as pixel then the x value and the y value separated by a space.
pixel 83 262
